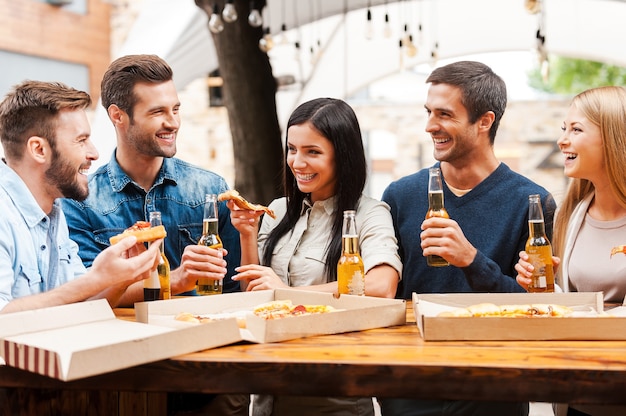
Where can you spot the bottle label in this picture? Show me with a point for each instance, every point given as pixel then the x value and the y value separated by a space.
pixel 356 285
pixel 541 281
pixel 543 273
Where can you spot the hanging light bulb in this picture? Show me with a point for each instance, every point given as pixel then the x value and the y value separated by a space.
pixel 435 54
pixel 254 18
pixel 406 37
pixel 216 25
pixel 314 56
pixel 229 14
pixel 369 26
pixel 411 49
pixel 542 56
pixel 541 49
pixel 532 6
pixel 387 28
pixel 266 43
pixel 420 38
pixel 296 46
pixel 401 45
pixel 283 35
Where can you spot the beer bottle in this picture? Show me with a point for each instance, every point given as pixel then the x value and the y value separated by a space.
pixel 210 238
pixel 350 269
pixel 435 209
pixel 151 286
pixel 539 249
pixel 163 269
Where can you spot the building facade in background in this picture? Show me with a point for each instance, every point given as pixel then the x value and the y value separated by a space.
pixel 55 40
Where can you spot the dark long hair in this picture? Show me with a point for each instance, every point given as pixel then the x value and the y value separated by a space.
pixel 335 120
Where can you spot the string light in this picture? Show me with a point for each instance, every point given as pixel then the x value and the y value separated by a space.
pixel 387 26
pixel 369 26
pixel 283 40
pixel 411 49
pixel 532 6
pixel 254 18
pixel 266 43
pixel 229 14
pixel 434 54
pixel 216 25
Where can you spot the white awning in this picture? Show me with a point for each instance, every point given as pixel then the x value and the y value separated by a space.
pixel 177 31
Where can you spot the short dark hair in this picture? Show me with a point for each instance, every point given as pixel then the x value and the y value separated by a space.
pixel 31 108
pixel 482 89
pixel 124 73
pixel 336 121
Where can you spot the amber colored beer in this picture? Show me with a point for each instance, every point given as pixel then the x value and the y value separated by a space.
pixel 163 270
pixel 210 238
pixel 350 269
pixel 539 252
pixel 436 209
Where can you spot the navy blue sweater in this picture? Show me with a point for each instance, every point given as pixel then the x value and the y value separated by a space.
pixel 493 217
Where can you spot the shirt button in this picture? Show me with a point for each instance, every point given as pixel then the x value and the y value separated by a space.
pixel 42 248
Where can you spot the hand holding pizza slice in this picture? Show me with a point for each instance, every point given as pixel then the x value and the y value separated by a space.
pixel 240 201
pixel 142 231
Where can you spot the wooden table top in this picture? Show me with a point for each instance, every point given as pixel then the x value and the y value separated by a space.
pixel 385 362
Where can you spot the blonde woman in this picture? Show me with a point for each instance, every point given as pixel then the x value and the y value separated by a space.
pixel 591 220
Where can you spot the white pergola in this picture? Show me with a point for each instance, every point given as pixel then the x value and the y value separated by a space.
pixel 346 60
pixel 588 29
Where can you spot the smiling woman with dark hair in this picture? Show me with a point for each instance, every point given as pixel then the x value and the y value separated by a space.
pixel 325 173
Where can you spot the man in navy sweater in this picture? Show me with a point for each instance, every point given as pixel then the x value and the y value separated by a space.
pixel 486 201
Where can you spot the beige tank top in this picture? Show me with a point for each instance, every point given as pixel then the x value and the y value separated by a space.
pixel 591 267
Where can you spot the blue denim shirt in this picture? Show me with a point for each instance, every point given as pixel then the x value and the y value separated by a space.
pixel 36 253
pixel 115 202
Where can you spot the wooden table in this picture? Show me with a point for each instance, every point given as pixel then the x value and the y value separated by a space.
pixel 386 362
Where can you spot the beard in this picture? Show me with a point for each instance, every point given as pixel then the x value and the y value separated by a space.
pixel 145 143
pixel 62 175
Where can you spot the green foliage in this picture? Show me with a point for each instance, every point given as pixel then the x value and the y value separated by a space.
pixel 571 76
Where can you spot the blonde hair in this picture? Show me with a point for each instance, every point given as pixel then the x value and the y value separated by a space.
pixel 606 108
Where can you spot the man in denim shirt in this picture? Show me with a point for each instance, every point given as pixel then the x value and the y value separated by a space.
pixel 45 136
pixel 143 176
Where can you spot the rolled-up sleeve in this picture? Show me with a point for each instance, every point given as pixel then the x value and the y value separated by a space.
pixel 377 237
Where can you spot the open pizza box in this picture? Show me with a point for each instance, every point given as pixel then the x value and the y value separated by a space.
pixel 85 339
pixel 588 322
pixel 353 313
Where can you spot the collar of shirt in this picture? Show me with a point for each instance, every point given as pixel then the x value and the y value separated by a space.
pixel 24 200
pixel 327 204
pixel 119 178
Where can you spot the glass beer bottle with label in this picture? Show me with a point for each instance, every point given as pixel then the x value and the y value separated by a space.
pixel 435 209
pixel 210 238
pixel 538 248
pixel 151 286
pixel 163 269
pixel 350 269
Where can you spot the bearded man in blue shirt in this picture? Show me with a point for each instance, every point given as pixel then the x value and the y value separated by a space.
pixel 45 135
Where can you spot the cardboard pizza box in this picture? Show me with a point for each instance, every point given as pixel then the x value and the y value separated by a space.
pixel 353 313
pixel 590 321
pixel 85 339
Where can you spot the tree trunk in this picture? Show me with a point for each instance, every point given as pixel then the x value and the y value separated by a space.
pixel 249 95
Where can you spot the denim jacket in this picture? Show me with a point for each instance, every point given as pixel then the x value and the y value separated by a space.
pixel 36 253
pixel 115 202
